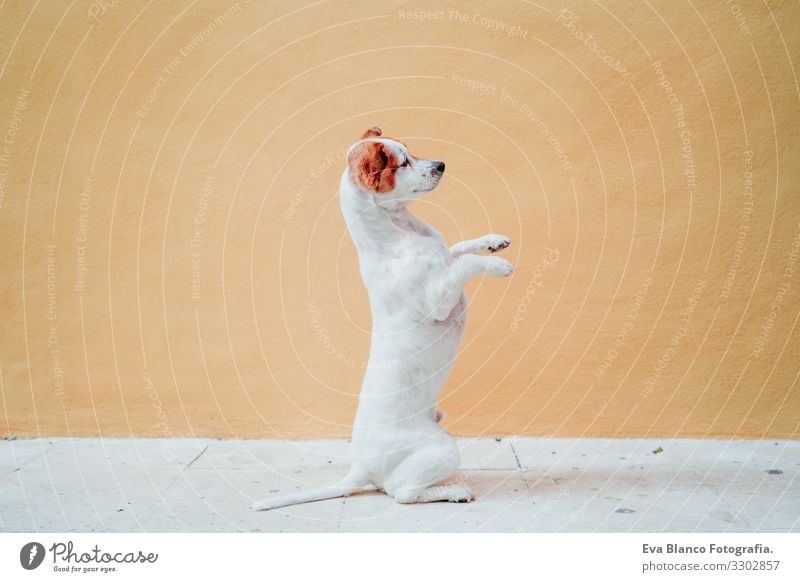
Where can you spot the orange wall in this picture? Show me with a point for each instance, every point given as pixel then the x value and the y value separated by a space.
pixel 174 261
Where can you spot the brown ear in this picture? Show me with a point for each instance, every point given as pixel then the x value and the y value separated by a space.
pixel 371 167
pixel 372 132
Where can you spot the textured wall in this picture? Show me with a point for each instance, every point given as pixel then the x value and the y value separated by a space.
pixel 174 261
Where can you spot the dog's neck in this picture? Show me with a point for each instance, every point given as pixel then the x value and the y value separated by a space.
pixel 372 223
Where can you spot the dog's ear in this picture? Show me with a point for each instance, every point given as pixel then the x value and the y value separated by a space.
pixel 372 132
pixel 371 168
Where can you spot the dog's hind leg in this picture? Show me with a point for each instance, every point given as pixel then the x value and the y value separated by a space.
pixel 454 492
pixel 419 478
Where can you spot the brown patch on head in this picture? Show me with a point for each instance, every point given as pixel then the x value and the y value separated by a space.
pixel 372 166
pixel 372 132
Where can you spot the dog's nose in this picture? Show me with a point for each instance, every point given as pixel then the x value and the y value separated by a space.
pixel 439 166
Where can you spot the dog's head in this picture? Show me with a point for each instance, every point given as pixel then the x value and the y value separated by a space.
pixel 383 167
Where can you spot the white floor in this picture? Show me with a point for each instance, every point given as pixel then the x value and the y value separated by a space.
pixel 521 484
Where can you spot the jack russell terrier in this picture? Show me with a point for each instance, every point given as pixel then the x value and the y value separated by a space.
pixel 416 293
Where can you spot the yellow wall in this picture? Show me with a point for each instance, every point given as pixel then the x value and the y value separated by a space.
pixel 174 261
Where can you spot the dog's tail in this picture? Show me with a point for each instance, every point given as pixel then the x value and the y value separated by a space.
pixel 354 482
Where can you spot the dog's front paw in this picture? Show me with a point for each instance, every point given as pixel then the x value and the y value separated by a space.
pixel 497 267
pixel 495 242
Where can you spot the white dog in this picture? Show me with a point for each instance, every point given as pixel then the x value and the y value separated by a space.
pixel 416 292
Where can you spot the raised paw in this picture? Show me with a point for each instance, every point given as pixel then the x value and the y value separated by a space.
pixel 497 267
pixel 495 242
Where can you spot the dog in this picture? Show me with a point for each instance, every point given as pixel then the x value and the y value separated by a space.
pixel 416 293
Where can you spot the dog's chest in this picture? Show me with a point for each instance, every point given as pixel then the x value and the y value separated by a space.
pixel 411 262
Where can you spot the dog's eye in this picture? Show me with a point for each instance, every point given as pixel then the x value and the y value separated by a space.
pixel 404 164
